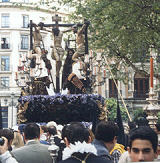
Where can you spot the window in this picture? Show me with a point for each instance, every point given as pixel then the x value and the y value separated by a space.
pixel 4 110
pixel 5 0
pixel 4 83
pixel 141 87
pixel 24 42
pixel 5 20
pixel 5 42
pixel 25 21
pixel 5 63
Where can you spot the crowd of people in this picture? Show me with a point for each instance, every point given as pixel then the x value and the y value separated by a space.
pixel 30 143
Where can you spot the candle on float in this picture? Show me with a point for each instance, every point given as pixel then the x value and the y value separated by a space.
pixel 81 66
pixel 151 72
pixel 20 62
pixel 91 53
pixel 86 58
pixel 31 72
pixel 16 75
pixel 104 73
pixel 95 71
pixel 38 60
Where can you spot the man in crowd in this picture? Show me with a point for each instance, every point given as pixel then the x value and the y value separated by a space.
pixel 33 151
pixel 9 134
pixel 105 138
pixel 78 146
pixel 143 144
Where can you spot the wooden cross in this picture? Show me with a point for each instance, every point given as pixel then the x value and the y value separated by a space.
pixel 56 18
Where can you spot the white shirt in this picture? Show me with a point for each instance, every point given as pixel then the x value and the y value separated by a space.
pixel 7 158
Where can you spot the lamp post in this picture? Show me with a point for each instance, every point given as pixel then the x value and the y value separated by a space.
pixel 12 104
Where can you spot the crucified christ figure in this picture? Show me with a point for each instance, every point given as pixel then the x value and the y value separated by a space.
pixel 57 50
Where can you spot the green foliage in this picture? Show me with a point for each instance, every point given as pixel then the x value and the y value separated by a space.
pixel 112 108
pixel 124 29
pixel 139 116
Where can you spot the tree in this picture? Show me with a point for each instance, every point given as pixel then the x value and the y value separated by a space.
pixel 140 117
pixel 124 29
pixel 112 108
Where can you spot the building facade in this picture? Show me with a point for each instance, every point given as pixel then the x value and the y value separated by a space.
pixel 15 43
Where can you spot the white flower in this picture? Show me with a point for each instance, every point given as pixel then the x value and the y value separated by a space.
pixel 78 147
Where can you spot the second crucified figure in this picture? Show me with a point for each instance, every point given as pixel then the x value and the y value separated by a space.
pixel 80 41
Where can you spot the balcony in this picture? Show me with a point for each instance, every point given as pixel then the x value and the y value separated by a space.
pixel 140 94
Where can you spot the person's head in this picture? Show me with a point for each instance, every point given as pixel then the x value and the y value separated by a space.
pixel 31 131
pixel 43 129
pixel 143 143
pixel 52 130
pixel 56 31
pixel 107 132
pixel 70 52
pixel 9 135
pixel 76 132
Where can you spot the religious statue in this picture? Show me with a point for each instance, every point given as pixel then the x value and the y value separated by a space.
pixel 67 67
pixel 57 50
pixel 37 39
pixel 80 40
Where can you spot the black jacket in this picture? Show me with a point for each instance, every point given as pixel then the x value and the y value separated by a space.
pixel 88 157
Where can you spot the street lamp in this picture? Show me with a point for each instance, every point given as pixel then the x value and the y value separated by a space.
pixel 12 104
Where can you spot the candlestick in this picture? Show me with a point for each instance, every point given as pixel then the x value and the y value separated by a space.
pixel 104 73
pixel 151 72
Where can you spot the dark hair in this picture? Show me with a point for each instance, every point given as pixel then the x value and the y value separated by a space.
pixel 52 130
pixel 144 133
pixel 76 132
pixel 44 128
pixel 157 126
pixel 106 131
pixel 31 131
pixel 63 135
pixel 7 133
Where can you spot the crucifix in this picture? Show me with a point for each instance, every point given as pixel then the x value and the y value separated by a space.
pixel 57 50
